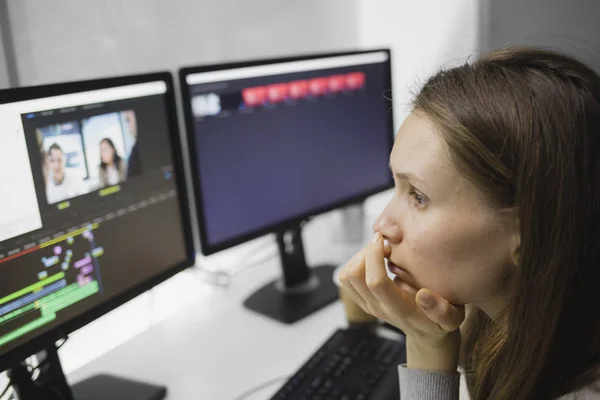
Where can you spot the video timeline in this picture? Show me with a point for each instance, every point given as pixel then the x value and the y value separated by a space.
pixel 297 90
pixel 251 98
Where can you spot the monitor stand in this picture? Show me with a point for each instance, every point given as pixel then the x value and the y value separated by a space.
pixel 301 291
pixel 51 384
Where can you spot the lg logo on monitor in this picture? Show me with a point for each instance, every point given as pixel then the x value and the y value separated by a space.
pixel 204 105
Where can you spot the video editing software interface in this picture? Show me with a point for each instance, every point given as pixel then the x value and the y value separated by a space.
pixel 276 141
pixel 89 206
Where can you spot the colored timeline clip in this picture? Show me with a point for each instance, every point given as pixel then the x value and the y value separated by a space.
pixel 296 90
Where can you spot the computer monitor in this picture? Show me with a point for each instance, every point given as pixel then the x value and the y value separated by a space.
pixel 93 211
pixel 275 142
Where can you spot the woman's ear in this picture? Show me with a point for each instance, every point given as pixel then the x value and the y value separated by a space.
pixel 515 254
pixel 515 250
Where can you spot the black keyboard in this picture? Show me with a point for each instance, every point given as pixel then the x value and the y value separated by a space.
pixel 353 364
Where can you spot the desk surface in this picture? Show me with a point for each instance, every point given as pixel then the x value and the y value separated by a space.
pixel 214 348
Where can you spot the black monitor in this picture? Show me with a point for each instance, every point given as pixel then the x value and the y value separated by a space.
pixel 93 213
pixel 275 142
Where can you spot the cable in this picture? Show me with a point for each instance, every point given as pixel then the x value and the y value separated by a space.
pixel 58 393
pixel 270 253
pixel 255 256
pixel 261 387
pixel 33 369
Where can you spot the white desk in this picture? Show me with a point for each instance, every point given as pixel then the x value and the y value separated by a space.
pixel 220 351
pixel 214 348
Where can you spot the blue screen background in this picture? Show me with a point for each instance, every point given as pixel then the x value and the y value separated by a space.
pixel 264 167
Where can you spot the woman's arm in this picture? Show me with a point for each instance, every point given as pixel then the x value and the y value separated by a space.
pixel 591 392
pixel 101 177
pixel 122 171
pixel 416 384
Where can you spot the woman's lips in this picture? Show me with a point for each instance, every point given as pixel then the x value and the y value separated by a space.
pixel 403 277
pixel 396 270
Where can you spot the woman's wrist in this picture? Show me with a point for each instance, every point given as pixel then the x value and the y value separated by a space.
pixel 435 354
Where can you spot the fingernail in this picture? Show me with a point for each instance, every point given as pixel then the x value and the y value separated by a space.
pixel 386 244
pixel 376 237
pixel 427 300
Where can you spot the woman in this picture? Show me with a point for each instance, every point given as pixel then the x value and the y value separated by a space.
pixel 112 167
pixel 494 228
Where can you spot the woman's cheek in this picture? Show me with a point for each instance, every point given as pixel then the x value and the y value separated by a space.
pixel 433 268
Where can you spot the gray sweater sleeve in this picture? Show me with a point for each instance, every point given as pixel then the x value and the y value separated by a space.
pixel 417 384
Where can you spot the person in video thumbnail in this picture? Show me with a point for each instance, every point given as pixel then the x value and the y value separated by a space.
pixel 62 184
pixel 134 166
pixel 112 167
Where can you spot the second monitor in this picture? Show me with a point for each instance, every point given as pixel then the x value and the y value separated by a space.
pixel 275 142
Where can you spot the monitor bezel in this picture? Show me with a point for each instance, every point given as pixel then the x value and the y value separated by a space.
pixel 45 340
pixel 208 248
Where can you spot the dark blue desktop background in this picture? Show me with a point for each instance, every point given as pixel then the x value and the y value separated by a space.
pixel 278 162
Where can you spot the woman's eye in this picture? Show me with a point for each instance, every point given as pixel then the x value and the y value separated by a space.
pixel 419 200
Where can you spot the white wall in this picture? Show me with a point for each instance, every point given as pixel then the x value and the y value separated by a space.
pixel 4 81
pixel 428 34
pixel 64 40
pixel 568 25
pixel 423 36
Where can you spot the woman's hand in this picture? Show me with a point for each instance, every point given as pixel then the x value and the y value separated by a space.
pixel 429 321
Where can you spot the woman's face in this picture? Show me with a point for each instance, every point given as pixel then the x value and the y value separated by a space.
pixel 56 160
pixel 442 234
pixel 106 153
pixel 131 123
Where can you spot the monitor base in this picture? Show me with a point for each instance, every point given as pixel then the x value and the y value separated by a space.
pixel 51 384
pixel 292 304
pixel 104 386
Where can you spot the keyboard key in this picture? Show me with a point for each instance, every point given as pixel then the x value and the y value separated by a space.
pixel 348 366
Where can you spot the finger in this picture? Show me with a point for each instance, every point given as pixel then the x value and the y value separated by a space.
pixel 345 283
pixel 378 282
pixel 355 296
pixel 405 286
pixel 350 266
pixel 355 258
pixel 356 277
pixel 449 317
pixel 387 249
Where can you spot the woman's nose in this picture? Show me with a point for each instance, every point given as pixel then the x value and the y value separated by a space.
pixel 388 227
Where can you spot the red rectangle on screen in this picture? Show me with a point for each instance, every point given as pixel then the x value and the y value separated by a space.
pixel 337 83
pixel 254 96
pixel 355 80
pixel 298 89
pixel 318 86
pixel 278 92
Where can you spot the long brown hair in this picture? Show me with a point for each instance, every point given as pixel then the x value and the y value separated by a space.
pixel 523 124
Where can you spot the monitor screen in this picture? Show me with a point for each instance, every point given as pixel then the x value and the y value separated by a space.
pixel 92 205
pixel 279 140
